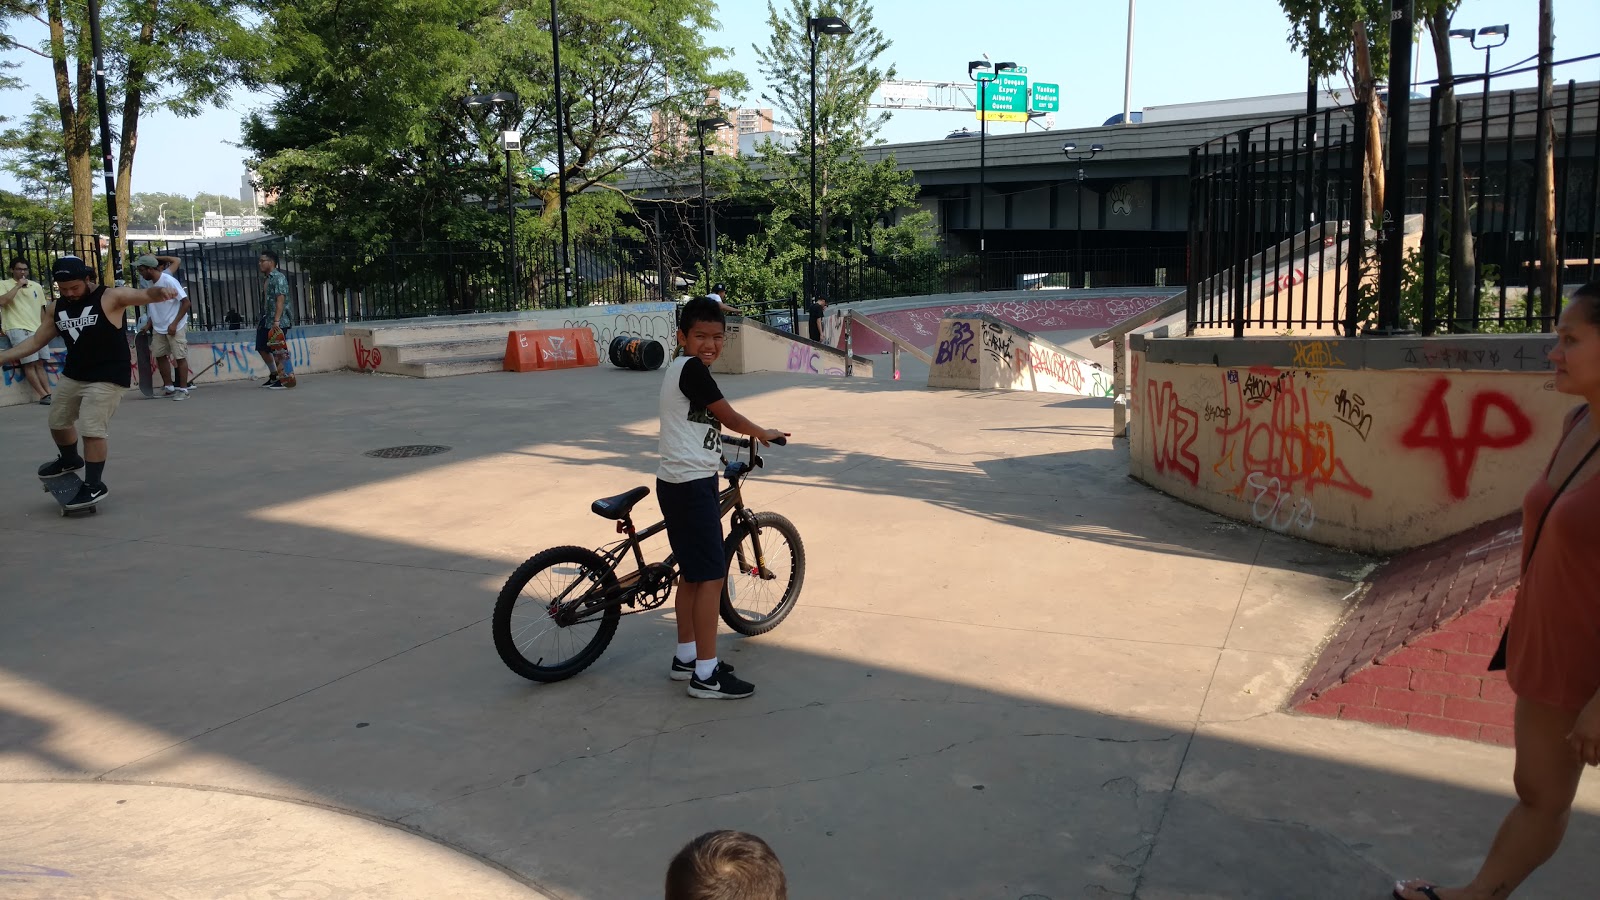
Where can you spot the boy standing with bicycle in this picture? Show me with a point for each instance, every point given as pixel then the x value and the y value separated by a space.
pixel 693 412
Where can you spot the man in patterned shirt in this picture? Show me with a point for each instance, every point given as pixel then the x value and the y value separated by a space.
pixel 274 313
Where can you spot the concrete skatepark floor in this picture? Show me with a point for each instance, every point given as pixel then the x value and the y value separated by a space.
pixel 1012 673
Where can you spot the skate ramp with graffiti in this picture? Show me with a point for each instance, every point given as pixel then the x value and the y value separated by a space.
pixel 978 351
pixel 1374 445
pixel 1061 316
pixel 754 347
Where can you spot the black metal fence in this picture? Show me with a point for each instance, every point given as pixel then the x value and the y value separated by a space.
pixel 1280 233
pixel 1271 239
pixel 1485 276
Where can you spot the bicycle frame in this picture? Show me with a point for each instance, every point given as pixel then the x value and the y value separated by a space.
pixel 730 500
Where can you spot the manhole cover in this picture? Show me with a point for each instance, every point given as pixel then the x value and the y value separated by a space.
pixel 407 451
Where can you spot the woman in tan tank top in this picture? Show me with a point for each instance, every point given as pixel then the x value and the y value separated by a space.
pixel 1552 646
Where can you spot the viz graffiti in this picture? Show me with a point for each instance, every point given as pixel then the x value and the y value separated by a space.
pixel 958 347
pixel 1173 428
pixel 367 360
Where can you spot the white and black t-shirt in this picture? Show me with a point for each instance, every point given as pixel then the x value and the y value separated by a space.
pixel 691 437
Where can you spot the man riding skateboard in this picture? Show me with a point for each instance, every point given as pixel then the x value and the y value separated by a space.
pixel 95 374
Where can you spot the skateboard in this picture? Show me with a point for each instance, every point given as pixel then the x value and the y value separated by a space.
pixel 64 487
pixel 207 370
pixel 147 375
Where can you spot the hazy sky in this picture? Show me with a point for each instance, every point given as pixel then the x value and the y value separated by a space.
pixel 1184 51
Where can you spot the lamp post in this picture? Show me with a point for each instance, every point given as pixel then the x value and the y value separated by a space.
pixel 816 27
pixel 161 218
pixel 509 140
pixel 561 155
pixel 1503 32
pixel 976 71
pixel 1070 149
pixel 716 123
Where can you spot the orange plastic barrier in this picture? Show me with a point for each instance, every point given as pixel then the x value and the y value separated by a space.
pixel 555 348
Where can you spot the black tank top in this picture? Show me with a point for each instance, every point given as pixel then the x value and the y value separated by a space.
pixel 97 350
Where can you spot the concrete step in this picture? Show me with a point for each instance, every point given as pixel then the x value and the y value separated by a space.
pixel 447 331
pixel 425 351
pixel 441 368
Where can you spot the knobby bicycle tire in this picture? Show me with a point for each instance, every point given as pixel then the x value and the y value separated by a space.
pixel 767 523
pixel 509 624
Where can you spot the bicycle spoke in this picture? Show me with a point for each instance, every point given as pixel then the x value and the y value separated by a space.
pixel 756 592
pixel 533 613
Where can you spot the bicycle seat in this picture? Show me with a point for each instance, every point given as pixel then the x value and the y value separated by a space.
pixel 620 505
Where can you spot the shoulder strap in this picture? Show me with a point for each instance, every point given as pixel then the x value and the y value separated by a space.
pixel 1534 544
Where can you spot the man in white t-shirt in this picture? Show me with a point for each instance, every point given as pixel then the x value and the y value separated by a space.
pixel 169 323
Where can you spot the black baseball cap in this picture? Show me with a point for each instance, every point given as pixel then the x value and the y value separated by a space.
pixel 70 268
pixel 719 288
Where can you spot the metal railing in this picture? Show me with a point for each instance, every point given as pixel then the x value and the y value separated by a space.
pixel 867 278
pixel 1270 213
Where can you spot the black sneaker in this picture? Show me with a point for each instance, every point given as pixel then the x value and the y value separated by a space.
pixel 277 385
pixel 88 495
pixel 271 382
pixel 60 466
pixel 722 685
pixel 683 671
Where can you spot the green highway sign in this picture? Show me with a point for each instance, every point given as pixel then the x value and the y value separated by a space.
pixel 1047 97
pixel 1005 99
pixel 233 232
pixel 536 171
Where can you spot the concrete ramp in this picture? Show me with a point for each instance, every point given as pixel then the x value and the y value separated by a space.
pixel 978 351
pixel 754 347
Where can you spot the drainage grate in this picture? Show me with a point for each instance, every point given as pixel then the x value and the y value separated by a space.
pixel 407 451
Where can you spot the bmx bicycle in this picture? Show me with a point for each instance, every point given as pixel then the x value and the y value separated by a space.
pixel 559 610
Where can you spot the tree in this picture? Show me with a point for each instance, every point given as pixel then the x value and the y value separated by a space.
pixel 856 200
pixel 183 53
pixel 34 156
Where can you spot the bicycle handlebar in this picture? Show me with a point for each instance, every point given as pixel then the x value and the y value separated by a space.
pixel 744 443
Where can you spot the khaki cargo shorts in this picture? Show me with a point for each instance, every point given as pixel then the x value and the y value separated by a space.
pixel 173 345
pixel 88 404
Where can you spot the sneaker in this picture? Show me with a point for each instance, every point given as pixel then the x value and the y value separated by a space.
pixel 721 686
pixel 60 466
pixel 168 390
pixel 683 671
pixel 45 400
pixel 180 394
pixel 88 495
pixel 271 382
pixel 277 385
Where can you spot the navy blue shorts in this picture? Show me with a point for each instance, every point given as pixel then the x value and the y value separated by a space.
pixel 693 514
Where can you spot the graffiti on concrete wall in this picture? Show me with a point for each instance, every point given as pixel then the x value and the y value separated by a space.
pixel 1433 430
pixel 958 347
pixel 367 359
pixel 52 357
pixel 1279 434
pixel 613 321
pixel 921 326
pixel 1173 429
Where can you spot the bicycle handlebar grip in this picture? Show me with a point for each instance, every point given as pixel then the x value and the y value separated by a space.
pixel 780 441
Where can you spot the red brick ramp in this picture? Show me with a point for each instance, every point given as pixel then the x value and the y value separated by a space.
pixel 1414 652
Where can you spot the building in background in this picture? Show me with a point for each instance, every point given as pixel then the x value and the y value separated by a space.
pixel 677 139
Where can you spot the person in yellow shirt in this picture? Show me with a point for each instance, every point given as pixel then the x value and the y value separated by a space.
pixel 22 302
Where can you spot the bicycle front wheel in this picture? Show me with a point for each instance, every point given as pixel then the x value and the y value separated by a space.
pixel 545 628
pixel 766 566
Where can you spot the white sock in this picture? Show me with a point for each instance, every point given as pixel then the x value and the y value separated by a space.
pixel 703 668
pixel 685 652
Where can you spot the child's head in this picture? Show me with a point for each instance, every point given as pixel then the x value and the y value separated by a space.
pixel 701 328
pixel 726 865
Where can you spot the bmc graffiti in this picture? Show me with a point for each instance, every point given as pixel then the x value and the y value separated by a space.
pixel 959 345
pixel 1277 436
pixel 1173 428
pixel 1432 429
pixel 367 360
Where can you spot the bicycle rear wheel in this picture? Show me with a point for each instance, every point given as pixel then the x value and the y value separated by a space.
pixel 766 568
pixel 545 639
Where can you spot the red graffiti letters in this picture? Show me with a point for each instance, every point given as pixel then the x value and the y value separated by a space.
pixel 1433 430
pixel 1173 427
pixel 1276 436
pixel 367 359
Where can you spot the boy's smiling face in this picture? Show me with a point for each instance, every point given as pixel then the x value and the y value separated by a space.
pixel 703 339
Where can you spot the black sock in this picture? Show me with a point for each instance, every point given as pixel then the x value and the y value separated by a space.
pixel 69 452
pixel 95 470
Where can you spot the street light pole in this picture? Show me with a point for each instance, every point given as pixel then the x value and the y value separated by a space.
pixel 716 124
pixel 816 26
pixel 1070 150
pixel 993 70
pixel 510 140
pixel 561 155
